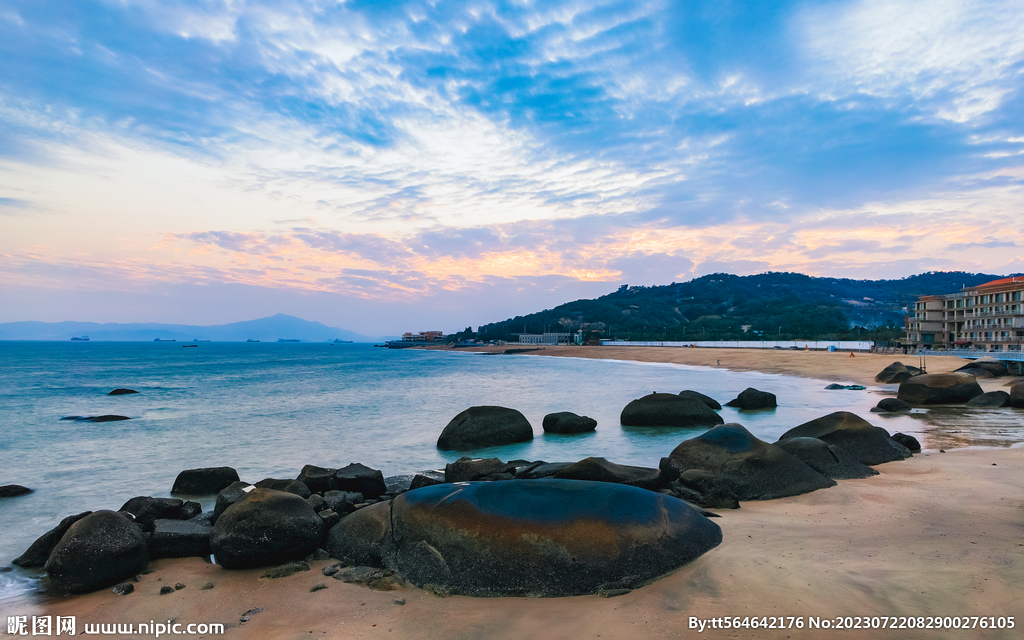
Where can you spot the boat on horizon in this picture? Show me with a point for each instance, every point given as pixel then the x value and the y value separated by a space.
pixel 77 339
pixel 251 340
pixel 288 340
pixel 336 341
pixel 164 340
pixel 198 340
pixel 189 345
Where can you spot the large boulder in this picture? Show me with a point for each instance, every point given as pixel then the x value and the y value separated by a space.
pixel 121 392
pixel 180 539
pixel 992 399
pixel 887 405
pixel 266 527
pixel 827 459
pixel 567 422
pixel 206 481
pixel 13 491
pixel 1017 394
pixel 230 495
pixel 708 400
pixel 469 469
pixel 98 551
pixel 285 484
pixel 601 470
pixel 318 479
pixel 986 363
pixel 541 537
pixel 143 510
pixel 360 537
pixel 908 441
pixel 487 426
pixel 939 388
pixel 668 410
pixel 895 373
pixel 854 435
pixel 360 478
pixel 38 552
pixel 752 399
pixel 748 467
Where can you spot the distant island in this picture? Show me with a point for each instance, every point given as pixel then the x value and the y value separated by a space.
pixel 271 329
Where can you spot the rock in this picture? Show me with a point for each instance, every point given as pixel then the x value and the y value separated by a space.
pixel 103 418
pixel 207 481
pixel 992 399
pixel 180 539
pixel 121 392
pixel 316 502
pixel 566 422
pixel 601 470
pixel 834 387
pixel 849 387
pixel 374 578
pixel 828 460
pixel 978 374
pixel 1017 394
pixel 542 470
pixel 668 410
pixel 342 501
pixel 164 590
pixel 267 527
pixel 487 426
pixel 751 468
pixel 751 399
pixel 700 397
pixel 329 517
pixel 143 510
pixel 285 570
pixel 892 404
pixel 124 588
pixel 398 484
pixel 939 388
pixel 361 536
pixel 467 469
pixel 98 551
pixel 318 479
pixel 986 363
pixel 208 585
pixel 895 373
pixel 38 552
pixel 190 509
pixel 854 435
pixel 910 442
pixel 178 586
pixel 542 537
pixel 706 489
pixel 13 491
pixel 286 485
pixel 317 587
pixel 424 480
pixel 360 478
pixel 229 496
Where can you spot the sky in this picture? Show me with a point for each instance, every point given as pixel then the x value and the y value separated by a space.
pixel 407 166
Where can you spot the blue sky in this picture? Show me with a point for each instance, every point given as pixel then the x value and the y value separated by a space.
pixel 385 165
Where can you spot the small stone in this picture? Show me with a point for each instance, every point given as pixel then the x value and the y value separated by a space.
pixel 165 590
pixel 286 570
pixel 400 601
pixel 208 585
pixel 249 614
pixel 331 570
pixel 124 588
pixel 317 587
pixel 942 451
pixel 179 586
pixel 318 555
pixel 611 593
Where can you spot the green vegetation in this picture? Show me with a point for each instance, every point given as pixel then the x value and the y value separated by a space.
pixel 769 306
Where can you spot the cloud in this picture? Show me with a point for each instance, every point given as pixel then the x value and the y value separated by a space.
pixel 988 244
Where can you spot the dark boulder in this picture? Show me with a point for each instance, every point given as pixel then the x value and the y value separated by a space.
pixel 230 495
pixel 98 551
pixel 895 373
pixel 751 399
pixel 668 410
pixel 13 491
pixel 104 418
pixel 992 399
pixel 854 435
pixel 143 510
pixel 190 509
pixel 751 468
pixel 267 527
pixel 318 479
pixel 828 460
pixel 360 478
pixel 398 484
pixel 360 537
pixel 424 480
pixel 542 470
pixel 601 470
pixel 700 397
pixel 202 482
pixel 541 537
pixel 180 539
pixel 886 405
pixel 468 469
pixel 1017 394
pixel 342 501
pixel 487 426
pixel 121 392
pixel 566 422
pixel 705 489
pixel 39 551
pixel 285 484
pixel 939 388
pixel 910 442
pixel 985 363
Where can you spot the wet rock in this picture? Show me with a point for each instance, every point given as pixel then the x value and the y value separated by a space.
pixel 180 539
pixel 103 418
pixel 566 422
pixel 601 470
pixel 98 551
pixel 398 484
pixel 467 469
pixel 996 368
pixel 206 481
pixel 700 397
pixel 266 527
pixel 891 405
pixel 908 441
pixel 939 388
pixel 542 470
pixel 318 479
pixel 992 399
pixel 286 485
pixel 38 552
pixel 426 479
pixel 143 510
pixel 828 460
pixel 486 426
pixel 121 392
pixel 752 399
pixel 1017 395
pixel 360 478
pixel 751 468
pixel 895 373
pixel 124 588
pixel 854 435
pixel 13 491
pixel 668 410
pixel 361 536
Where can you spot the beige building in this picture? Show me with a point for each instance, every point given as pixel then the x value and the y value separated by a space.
pixel 988 317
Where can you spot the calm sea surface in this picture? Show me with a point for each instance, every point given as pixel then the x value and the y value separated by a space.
pixel 267 409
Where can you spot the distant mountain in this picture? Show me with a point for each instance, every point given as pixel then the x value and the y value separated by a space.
pixel 719 306
pixel 264 329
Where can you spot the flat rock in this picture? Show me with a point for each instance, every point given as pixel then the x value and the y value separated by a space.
pixel 318 479
pixel 854 435
pixel 205 481
pixel 828 460
pixel 180 539
pixel 486 426
pixel 425 480
pixel 266 527
pixel 144 510
pixel 939 388
pixel 121 392
pixel 285 484
pixel 360 478
pixel 992 399
pixel 468 469
pixel 700 397
pixel 566 422
pixel 98 551
pixel 38 552
pixel 542 470
pixel 668 410
pixel 13 491
pixel 601 470
pixel 752 399
pixel 103 418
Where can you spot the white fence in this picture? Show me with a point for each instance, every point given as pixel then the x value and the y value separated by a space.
pixel 836 345
pixel 1014 356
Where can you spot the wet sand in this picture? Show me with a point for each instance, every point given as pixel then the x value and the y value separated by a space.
pixel 940 534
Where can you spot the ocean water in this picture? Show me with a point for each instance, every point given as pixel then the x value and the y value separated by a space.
pixel 267 409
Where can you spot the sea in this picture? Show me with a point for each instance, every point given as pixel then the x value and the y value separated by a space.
pixel 267 409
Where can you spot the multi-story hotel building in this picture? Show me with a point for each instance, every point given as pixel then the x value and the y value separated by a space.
pixel 988 317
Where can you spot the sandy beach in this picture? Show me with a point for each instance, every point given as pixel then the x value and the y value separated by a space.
pixel 940 534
